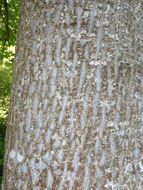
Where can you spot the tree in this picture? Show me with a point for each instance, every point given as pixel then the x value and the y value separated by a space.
pixel 8 26
pixel 75 116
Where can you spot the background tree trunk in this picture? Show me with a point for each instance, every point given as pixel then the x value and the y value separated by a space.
pixel 75 117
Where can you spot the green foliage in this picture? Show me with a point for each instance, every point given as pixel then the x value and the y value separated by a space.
pixel 13 12
pixel 5 80
pixel 2 136
pixel 9 13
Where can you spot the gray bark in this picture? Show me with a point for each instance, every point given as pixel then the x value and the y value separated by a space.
pixel 75 117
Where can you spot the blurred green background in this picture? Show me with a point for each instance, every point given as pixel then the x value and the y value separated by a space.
pixel 9 12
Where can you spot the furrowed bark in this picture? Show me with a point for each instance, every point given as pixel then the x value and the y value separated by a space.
pixel 75 117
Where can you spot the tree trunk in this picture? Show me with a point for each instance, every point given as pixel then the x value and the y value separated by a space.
pixel 75 117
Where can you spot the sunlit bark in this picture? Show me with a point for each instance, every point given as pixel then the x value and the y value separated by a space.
pixel 75 117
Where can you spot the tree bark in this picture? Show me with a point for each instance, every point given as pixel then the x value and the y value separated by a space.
pixel 75 117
